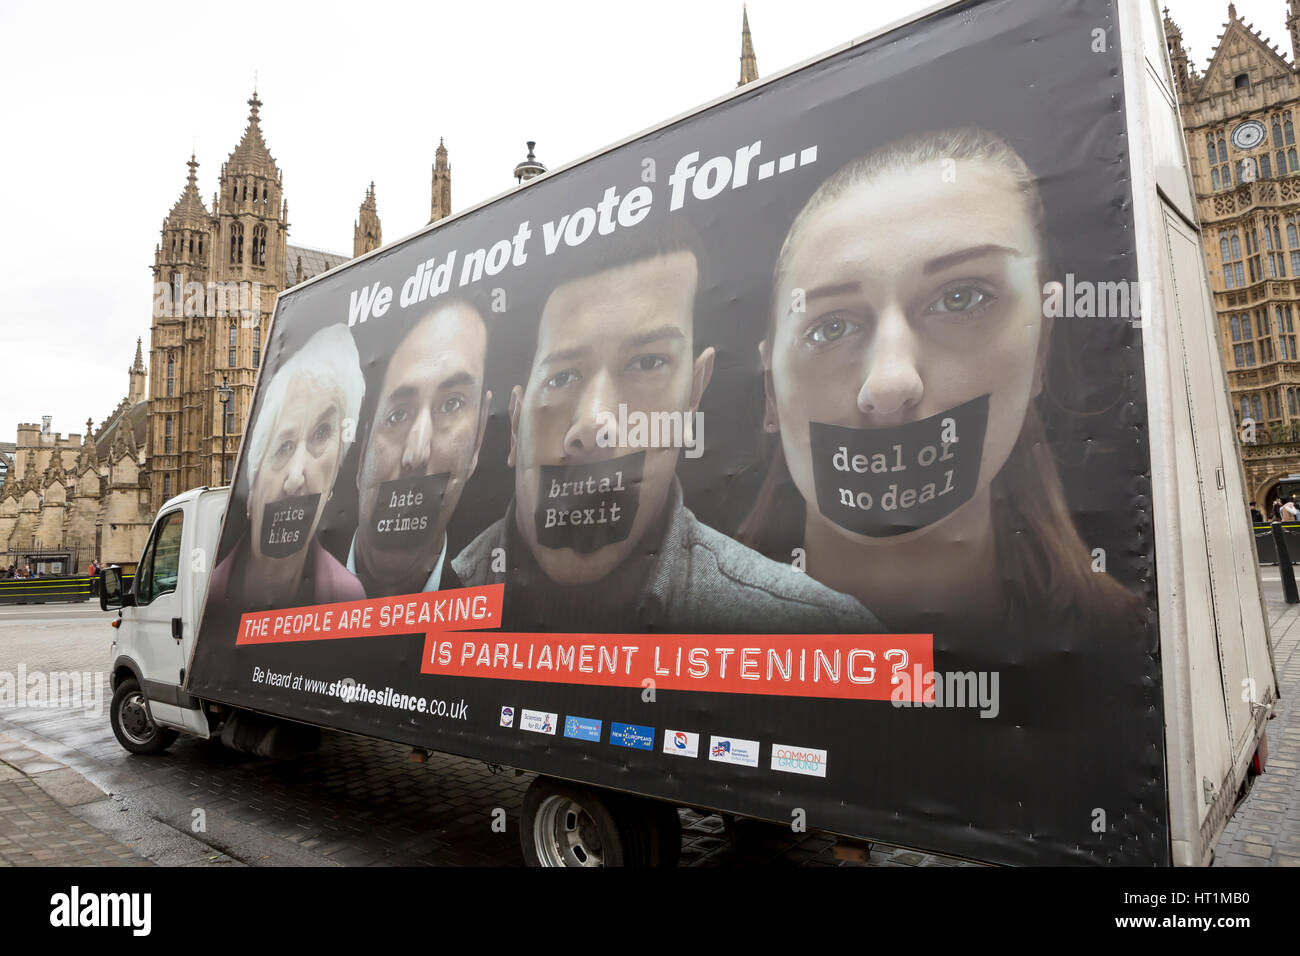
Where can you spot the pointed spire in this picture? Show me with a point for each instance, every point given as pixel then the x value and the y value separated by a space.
pixel 188 210
pixel 440 202
pixel 251 155
pixel 748 62
pixel 139 356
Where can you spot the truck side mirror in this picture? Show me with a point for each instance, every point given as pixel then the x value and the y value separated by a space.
pixel 111 593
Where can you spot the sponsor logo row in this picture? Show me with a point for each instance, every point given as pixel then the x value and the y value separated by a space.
pixel 680 743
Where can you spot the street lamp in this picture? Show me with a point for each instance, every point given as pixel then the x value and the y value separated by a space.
pixel 224 393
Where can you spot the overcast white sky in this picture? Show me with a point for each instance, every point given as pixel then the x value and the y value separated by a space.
pixel 102 103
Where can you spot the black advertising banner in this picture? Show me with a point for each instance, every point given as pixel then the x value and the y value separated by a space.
pixel 758 463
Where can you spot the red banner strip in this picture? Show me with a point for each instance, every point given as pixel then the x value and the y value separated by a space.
pixel 847 666
pixel 462 609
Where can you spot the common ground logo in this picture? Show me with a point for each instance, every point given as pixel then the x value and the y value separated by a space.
pixel 805 760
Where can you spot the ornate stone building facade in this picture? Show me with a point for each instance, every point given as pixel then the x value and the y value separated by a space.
pixel 67 500
pixel 217 271
pixel 1240 119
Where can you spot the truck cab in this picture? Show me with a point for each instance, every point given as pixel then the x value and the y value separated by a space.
pixel 157 620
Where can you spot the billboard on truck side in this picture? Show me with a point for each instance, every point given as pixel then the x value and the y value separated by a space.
pixel 789 459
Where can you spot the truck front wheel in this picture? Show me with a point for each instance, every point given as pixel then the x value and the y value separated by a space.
pixel 133 725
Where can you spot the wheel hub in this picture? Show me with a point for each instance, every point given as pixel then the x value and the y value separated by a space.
pixel 566 835
pixel 134 719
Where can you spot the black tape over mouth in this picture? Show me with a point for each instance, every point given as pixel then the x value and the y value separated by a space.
pixel 586 507
pixel 405 517
pixel 880 482
pixel 286 525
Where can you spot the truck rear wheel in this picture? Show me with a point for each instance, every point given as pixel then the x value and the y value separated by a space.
pixel 569 825
pixel 133 725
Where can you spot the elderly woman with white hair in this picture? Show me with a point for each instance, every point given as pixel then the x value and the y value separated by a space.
pixel 306 421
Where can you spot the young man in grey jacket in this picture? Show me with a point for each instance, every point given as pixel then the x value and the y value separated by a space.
pixel 598 538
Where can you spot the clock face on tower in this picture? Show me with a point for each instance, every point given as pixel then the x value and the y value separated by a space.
pixel 1248 135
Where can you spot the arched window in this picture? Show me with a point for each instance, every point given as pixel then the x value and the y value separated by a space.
pixel 167 486
pixel 1209 148
pixel 1223 249
pixel 1245 407
pixel 1291 163
pixel 236 243
pixel 1214 178
pixel 257 346
pixel 171 377
pixel 245 190
pixel 259 246
pixel 234 341
pixel 1290 130
pixel 234 192
pixel 200 244
pixel 264 193
pixel 1265 167
pixel 1277 132
pixel 1256 407
pixel 1236 329
pixel 167 435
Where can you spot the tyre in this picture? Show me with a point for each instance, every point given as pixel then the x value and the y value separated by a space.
pixel 567 825
pixel 133 725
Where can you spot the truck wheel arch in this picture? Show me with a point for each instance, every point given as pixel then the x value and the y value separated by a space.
pixel 123 669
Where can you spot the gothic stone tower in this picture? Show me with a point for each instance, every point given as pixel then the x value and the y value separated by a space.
pixel 1240 119
pixel 748 62
pixel 223 269
pixel 440 204
pixel 367 234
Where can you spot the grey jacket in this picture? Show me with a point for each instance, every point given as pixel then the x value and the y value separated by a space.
pixel 703 581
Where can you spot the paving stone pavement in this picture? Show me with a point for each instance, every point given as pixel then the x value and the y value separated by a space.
pixel 37 828
pixel 1265 831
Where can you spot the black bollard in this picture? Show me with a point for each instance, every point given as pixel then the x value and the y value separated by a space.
pixel 1284 565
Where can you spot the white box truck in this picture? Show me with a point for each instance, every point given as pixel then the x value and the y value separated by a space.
pixel 852 452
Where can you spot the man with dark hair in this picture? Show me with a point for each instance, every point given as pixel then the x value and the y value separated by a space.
pixel 420 445
pixel 598 537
